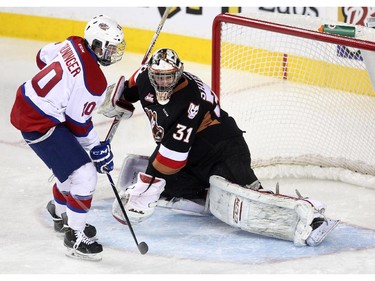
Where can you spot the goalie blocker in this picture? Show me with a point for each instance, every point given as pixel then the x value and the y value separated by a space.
pixel 131 171
pixel 273 215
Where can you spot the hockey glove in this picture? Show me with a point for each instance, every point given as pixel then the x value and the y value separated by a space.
pixel 114 105
pixel 139 199
pixel 124 108
pixel 102 157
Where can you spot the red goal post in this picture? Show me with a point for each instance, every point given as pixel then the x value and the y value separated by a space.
pixel 305 98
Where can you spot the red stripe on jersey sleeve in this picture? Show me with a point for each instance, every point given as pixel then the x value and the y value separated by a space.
pixel 79 129
pixel 132 80
pixel 39 62
pixel 170 163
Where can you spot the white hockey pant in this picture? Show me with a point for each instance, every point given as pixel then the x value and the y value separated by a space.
pixel 80 187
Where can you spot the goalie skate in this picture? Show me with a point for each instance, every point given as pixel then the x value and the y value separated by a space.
pixel 320 233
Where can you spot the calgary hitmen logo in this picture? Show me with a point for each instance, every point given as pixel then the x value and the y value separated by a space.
pixel 157 131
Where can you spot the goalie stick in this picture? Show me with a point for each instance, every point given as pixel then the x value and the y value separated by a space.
pixel 156 35
pixel 142 247
pixel 117 119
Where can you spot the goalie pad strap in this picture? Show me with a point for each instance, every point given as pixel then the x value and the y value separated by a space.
pixel 197 207
pixel 272 215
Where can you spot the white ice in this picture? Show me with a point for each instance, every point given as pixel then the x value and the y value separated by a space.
pixel 30 246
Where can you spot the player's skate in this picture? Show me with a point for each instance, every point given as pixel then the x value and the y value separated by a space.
pixel 321 228
pixel 80 246
pixel 61 223
pixel 58 223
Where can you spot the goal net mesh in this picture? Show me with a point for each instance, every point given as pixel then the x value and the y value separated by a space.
pixel 307 106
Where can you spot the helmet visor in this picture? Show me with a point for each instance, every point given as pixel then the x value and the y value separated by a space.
pixel 112 53
pixel 162 81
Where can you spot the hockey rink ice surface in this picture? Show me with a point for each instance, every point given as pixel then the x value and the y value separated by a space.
pixel 178 243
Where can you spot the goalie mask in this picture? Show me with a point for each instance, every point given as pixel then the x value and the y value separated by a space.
pixel 106 38
pixel 164 71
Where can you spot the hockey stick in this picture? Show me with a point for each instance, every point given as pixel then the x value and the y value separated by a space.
pixel 156 35
pixel 116 121
pixel 142 247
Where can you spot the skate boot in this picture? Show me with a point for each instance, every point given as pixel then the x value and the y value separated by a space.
pixel 61 223
pixel 321 228
pixel 58 223
pixel 80 246
pixel 90 230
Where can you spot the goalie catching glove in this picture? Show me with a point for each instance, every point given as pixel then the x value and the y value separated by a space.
pixel 114 104
pixel 139 199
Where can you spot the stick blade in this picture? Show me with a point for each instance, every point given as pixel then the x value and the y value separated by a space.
pixel 143 248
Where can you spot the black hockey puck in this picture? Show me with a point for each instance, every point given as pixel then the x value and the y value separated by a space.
pixel 143 248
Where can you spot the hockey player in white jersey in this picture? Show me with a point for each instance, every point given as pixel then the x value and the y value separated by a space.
pixel 201 155
pixel 53 111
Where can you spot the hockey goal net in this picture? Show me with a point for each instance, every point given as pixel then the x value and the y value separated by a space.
pixel 304 98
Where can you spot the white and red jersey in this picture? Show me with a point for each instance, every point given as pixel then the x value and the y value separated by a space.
pixel 67 89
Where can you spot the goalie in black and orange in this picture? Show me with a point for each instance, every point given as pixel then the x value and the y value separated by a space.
pixel 200 150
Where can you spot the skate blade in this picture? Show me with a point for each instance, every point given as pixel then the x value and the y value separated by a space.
pixel 322 234
pixel 72 253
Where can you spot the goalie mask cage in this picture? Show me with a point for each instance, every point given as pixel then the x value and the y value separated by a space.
pixel 304 98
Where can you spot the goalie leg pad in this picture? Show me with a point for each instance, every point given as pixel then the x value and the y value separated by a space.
pixel 139 199
pixel 272 215
pixel 131 166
